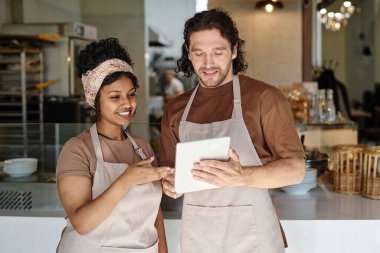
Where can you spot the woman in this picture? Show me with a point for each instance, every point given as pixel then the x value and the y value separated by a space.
pixel 106 182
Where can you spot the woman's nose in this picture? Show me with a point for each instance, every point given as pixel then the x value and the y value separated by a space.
pixel 126 102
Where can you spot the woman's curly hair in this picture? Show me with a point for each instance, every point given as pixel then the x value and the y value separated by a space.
pixel 97 52
pixel 207 20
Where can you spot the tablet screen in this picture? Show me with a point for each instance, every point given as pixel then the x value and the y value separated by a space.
pixel 188 153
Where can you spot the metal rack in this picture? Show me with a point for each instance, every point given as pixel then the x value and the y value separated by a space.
pixel 16 89
pixel 21 102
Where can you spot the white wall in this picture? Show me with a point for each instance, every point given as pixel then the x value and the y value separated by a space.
pixel 4 11
pixel 273 41
pixel 45 11
pixel 169 17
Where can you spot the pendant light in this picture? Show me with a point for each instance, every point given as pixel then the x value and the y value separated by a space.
pixel 334 21
pixel 269 5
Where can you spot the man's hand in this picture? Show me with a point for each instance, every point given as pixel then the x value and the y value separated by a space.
pixel 168 187
pixel 224 174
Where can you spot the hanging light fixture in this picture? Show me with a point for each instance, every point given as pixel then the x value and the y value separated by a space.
pixel 333 21
pixel 269 5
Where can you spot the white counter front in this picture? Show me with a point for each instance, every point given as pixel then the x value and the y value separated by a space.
pixel 319 222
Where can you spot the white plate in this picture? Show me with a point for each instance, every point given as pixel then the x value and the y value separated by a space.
pixel 26 174
pixel 20 167
pixel 188 153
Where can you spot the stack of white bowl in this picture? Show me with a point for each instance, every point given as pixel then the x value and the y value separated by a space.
pixel 309 182
pixel 20 167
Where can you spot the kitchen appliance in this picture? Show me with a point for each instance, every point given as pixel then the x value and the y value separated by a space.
pixel 70 38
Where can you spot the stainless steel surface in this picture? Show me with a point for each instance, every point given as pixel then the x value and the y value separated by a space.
pixel 33 199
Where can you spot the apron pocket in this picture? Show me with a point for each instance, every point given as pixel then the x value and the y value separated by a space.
pixel 152 249
pixel 219 229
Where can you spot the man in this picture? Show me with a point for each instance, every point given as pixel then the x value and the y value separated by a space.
pixel 172 86
pixel 266 151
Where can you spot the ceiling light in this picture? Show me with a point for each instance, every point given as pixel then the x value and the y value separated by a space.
pixel 269 5
pixel 334 21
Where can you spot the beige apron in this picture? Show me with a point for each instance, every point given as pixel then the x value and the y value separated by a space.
pixel 234 219
pixel 130 225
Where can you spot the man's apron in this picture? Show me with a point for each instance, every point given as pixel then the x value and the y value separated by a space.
pixel 130 225
pixel 233 219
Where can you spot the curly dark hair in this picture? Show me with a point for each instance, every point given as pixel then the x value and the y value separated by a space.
pixel 207 20
pixel 97 52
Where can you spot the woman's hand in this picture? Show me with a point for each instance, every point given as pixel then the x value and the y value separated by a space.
pixel 86 213
pixel 168 187
pixel 142 172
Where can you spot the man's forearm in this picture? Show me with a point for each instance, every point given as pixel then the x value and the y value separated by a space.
pixel 282 172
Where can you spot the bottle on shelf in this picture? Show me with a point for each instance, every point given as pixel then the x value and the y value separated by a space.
pixel 322 106
pixel 314 109
pixel 330 107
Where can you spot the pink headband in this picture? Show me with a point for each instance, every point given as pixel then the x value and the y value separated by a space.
pixel 93 79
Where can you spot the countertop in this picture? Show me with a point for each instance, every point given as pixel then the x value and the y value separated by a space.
pixel 320 203
pixel 320 221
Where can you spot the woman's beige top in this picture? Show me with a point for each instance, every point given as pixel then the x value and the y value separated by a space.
pixel 78 156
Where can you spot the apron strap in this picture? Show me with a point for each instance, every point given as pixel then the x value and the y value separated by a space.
pixel 96 142
pixel 237 111
pixel 139 152
pixel 187 108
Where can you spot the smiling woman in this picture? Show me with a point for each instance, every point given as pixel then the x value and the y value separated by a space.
pixel 105 173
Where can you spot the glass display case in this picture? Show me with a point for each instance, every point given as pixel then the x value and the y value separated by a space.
pixel 40 185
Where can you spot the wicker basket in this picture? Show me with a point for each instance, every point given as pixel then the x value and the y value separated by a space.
pixel 348 168
pixel 371 173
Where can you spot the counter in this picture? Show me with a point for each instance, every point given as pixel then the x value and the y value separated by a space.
pixel 320 221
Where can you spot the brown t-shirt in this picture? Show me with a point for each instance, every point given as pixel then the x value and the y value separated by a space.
pixel 266 113
pixel 78 157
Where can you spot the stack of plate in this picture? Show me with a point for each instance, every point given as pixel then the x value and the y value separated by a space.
pixel 309 182
pixel 317 160
pixel 20 167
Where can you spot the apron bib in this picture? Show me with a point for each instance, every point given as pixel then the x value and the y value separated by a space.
pixel 130 226
pixel 231 219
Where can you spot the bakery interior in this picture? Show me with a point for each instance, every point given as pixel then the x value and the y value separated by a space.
pixel 324 55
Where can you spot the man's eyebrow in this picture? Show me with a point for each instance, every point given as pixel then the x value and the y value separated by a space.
pixel 215 48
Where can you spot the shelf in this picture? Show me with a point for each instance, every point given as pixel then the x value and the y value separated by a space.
pixel 29 93
pixel 14 72
pixel 10 93
pixel 17 51
pixel 21 103
pixel 9 61
pixel 10 114
pixel 10 104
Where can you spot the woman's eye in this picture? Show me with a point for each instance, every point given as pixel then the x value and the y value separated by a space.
pixel 218 53
pixel 132 94
pixel 115 97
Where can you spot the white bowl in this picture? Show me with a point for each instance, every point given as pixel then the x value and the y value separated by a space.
pixel 20 167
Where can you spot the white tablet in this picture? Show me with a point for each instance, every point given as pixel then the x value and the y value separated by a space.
pixel 188 153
